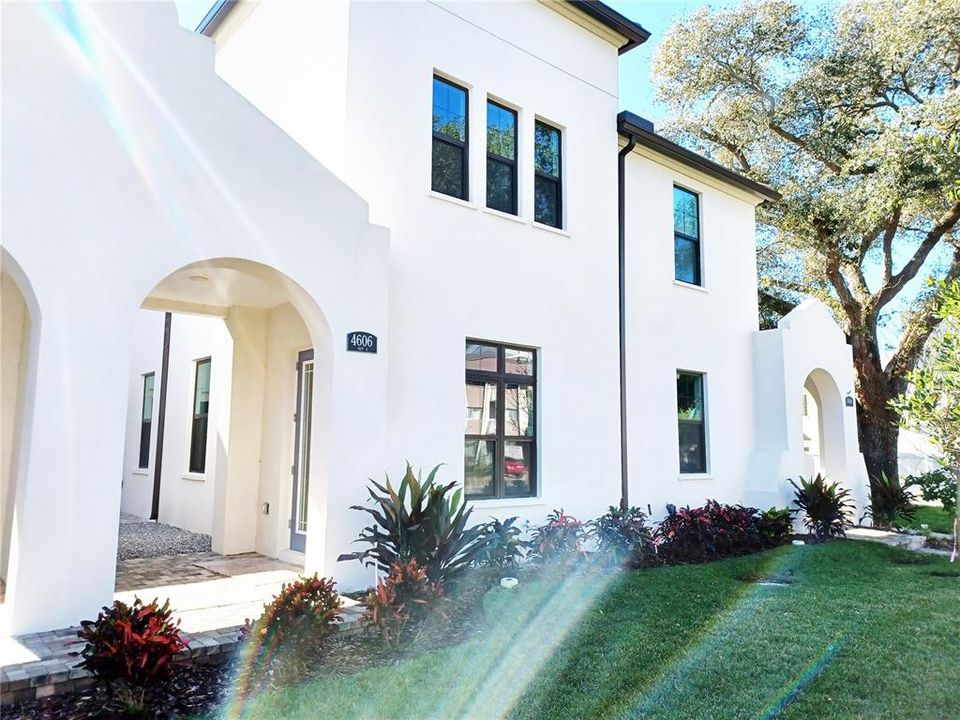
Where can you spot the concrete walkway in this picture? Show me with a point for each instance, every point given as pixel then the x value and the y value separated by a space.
pixel 210 594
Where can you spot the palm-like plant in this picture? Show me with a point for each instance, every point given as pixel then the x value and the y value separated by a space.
pixel 828 506
pixel 890 502
pixel 419 520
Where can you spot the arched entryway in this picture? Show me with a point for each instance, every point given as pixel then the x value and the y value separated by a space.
pixel 229 413
pixel 18 322
pixel 822 424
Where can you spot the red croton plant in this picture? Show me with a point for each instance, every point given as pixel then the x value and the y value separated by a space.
pixel 134 643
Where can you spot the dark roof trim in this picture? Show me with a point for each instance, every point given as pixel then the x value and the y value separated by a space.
pixel 606 15
pixel 216 15
pixel 633 126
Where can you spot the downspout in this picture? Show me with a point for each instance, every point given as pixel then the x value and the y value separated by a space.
pixel 161 415
pixel 622 270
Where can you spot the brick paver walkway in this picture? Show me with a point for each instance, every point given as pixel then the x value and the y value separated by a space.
pixel 211 595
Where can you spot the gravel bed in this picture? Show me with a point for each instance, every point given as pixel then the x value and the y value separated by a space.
pixel 151 539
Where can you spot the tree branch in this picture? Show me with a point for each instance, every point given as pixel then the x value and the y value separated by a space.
pixel 737 152
pixel 894 285
pixel 888 236
pixel 917 330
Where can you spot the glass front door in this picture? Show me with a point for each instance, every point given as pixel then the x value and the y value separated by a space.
pixel 303 423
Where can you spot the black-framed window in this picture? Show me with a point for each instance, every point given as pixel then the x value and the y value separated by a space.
pixel 501 158
pixel 201 412
pixel 500 435
pixel 450 133
pixel 547 191
pixel 146 421
pixel 691 416
pixel 686 236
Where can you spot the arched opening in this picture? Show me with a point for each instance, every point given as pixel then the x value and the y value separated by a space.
pixel 822 425
pixel 228 420
pixel 17 325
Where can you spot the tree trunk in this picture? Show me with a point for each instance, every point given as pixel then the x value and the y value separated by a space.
pixel 877 423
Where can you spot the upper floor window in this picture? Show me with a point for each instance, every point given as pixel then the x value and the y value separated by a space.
pixel 201 413
pixel 146 421
pixel 500 429
pixel 692 422
pixel 501 158
pixel 547 190
pixel 449 139
pixel 686 236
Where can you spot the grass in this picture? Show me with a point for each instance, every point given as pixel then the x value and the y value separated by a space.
pixel 861 630
pixel 935 516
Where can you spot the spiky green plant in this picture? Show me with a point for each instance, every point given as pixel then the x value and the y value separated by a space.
pixel 891 504
pixel 419 520
pixel 828 507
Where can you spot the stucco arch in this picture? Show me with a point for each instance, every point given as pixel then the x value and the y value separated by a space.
pixel 254 300
pixel 19 330
pixel 806 350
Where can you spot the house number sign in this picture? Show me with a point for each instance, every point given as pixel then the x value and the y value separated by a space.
pixel 360 341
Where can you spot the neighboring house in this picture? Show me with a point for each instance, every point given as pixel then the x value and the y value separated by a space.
pixel 446 247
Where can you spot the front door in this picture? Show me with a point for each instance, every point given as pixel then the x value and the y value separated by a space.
pixel 303 422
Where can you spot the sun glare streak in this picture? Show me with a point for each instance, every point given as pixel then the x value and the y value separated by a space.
pixel 532 643
pixel 714 637
pixel 100 55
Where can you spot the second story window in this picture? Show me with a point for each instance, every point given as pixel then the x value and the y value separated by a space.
pixel 686 236
pixel 449 139
pixel 501 158
pixel 547 191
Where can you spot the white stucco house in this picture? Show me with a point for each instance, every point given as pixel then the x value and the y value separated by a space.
pixel 247 268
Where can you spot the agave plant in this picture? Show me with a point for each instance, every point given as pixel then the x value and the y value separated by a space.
pixel 890 502
pixel 419 520
pixel 828 506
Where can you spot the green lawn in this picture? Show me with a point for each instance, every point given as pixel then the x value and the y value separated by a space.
pixel 856 634
pixel 936 517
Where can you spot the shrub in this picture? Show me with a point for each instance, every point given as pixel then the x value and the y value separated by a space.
pixel 775 526
pixel 623 536
pixel 298 619
pixel 560 538
pixel 132 646
pixel 891 503
pixel 422 521
pixel 937 485
pixel 828 507
pixel 306 609
pixel 400 603
pixel 502 546
pixel 707 533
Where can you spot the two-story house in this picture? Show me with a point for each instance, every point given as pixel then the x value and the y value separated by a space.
pixel 381 232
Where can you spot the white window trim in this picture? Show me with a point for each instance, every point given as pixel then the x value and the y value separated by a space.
pixel 707 474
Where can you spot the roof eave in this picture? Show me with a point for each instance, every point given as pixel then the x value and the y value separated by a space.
pixel 635 34
pixel 631 125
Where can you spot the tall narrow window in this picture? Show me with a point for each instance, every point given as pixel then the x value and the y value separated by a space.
pixel 547 199
pixel 686 236
pixel 146 421
pixel 691 418
pixel 500 436
pixel 501 158
pixel 449 138
pixel 201 410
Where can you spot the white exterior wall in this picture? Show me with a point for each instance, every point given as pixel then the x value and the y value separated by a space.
pixel 186 499
pixel 673 326
pixel 556 291
pixel 162 165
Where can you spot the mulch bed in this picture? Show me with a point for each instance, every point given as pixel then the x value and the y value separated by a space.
pixel 190 690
